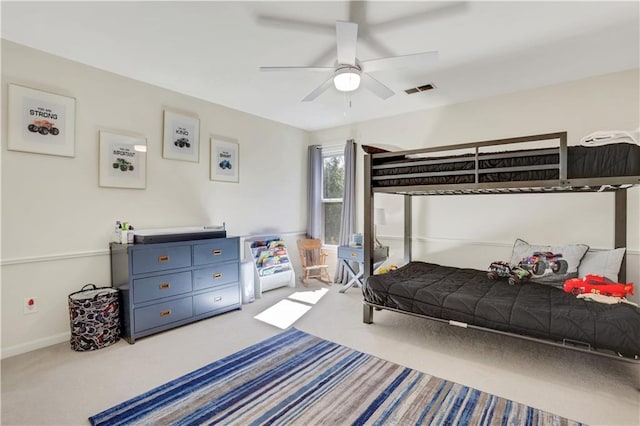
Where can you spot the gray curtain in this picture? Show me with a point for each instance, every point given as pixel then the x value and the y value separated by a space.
pixel 348 222
pixel 314 192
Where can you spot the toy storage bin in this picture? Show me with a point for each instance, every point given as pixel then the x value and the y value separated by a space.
pixel 94 314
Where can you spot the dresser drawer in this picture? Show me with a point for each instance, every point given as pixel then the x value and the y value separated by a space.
pixel 218 251
pixel 161 259
pixel 215 275
pixel 151 288
pixel 163 313
pixel 216 299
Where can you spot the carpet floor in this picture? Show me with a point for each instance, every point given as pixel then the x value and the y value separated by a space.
pixel 297 378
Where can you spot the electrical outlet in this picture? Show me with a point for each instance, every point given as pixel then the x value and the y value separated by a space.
pixel 30 305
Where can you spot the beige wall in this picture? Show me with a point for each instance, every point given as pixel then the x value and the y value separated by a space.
pixel 472 231
pixel 56 220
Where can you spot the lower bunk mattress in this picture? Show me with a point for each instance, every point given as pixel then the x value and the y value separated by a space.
pixel 529 309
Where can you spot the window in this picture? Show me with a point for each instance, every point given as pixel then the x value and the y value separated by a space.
pixel 332 192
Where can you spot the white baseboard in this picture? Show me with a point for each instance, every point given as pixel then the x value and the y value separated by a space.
pixel 35 344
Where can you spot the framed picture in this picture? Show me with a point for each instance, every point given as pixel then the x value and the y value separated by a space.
pixel 123 160
pixel 181 137
pixel 41 122
pixel 225 156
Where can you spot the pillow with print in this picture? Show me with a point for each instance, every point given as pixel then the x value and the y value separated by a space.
pixel 549 264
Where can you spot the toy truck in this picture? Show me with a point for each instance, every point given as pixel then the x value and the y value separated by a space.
pixel 514 273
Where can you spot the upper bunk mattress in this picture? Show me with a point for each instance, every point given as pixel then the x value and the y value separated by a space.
pixel 530 309
pixel 621 159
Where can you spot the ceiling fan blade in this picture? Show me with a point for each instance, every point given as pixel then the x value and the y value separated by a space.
pixel 346 36
pixel 318 90
pixel 375 86
pixel 404 61
pixel 315 69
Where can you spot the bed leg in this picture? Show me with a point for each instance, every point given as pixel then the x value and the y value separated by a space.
pixel 367 314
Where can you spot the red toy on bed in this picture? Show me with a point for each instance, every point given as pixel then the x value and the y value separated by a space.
pixel 597 285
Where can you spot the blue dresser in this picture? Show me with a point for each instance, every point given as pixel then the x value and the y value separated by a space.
pixel 166 285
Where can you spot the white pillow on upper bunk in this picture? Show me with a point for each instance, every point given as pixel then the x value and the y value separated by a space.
pixel 605 263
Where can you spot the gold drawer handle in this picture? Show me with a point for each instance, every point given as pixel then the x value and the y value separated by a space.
pixel 217 299
pixel 165 313
pixel 354 254
pixel 164 286
pixel 216 252
pixel 217 275
pixel 163 259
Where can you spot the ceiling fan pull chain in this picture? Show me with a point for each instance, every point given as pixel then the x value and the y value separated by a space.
pixel 347 102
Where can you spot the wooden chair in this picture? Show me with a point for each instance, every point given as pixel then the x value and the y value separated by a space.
pixel 313 260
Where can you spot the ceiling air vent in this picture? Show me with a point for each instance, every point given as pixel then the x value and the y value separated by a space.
pixel 422 88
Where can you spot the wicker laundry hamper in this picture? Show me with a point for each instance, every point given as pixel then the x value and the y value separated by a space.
pixel 94 314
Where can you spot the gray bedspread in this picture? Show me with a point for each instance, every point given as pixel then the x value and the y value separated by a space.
pixel 530 309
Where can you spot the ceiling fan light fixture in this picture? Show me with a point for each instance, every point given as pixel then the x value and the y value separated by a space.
pixel 347 79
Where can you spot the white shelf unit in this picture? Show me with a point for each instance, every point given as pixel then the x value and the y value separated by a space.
pixel 272 267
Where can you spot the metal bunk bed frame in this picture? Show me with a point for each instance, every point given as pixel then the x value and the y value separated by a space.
pixel 618 185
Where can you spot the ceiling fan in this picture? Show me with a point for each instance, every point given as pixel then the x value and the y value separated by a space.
pixel 349 73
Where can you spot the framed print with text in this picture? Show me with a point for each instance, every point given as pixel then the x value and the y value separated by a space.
pixel 123 161
pixel 225 165
pixel 41 122
pixel 181 137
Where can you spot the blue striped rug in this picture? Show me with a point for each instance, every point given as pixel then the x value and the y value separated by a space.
pixel 296 378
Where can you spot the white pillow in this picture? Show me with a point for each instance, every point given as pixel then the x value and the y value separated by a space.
pixel 605 263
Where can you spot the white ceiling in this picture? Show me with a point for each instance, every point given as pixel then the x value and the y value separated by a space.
pixel 212 50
